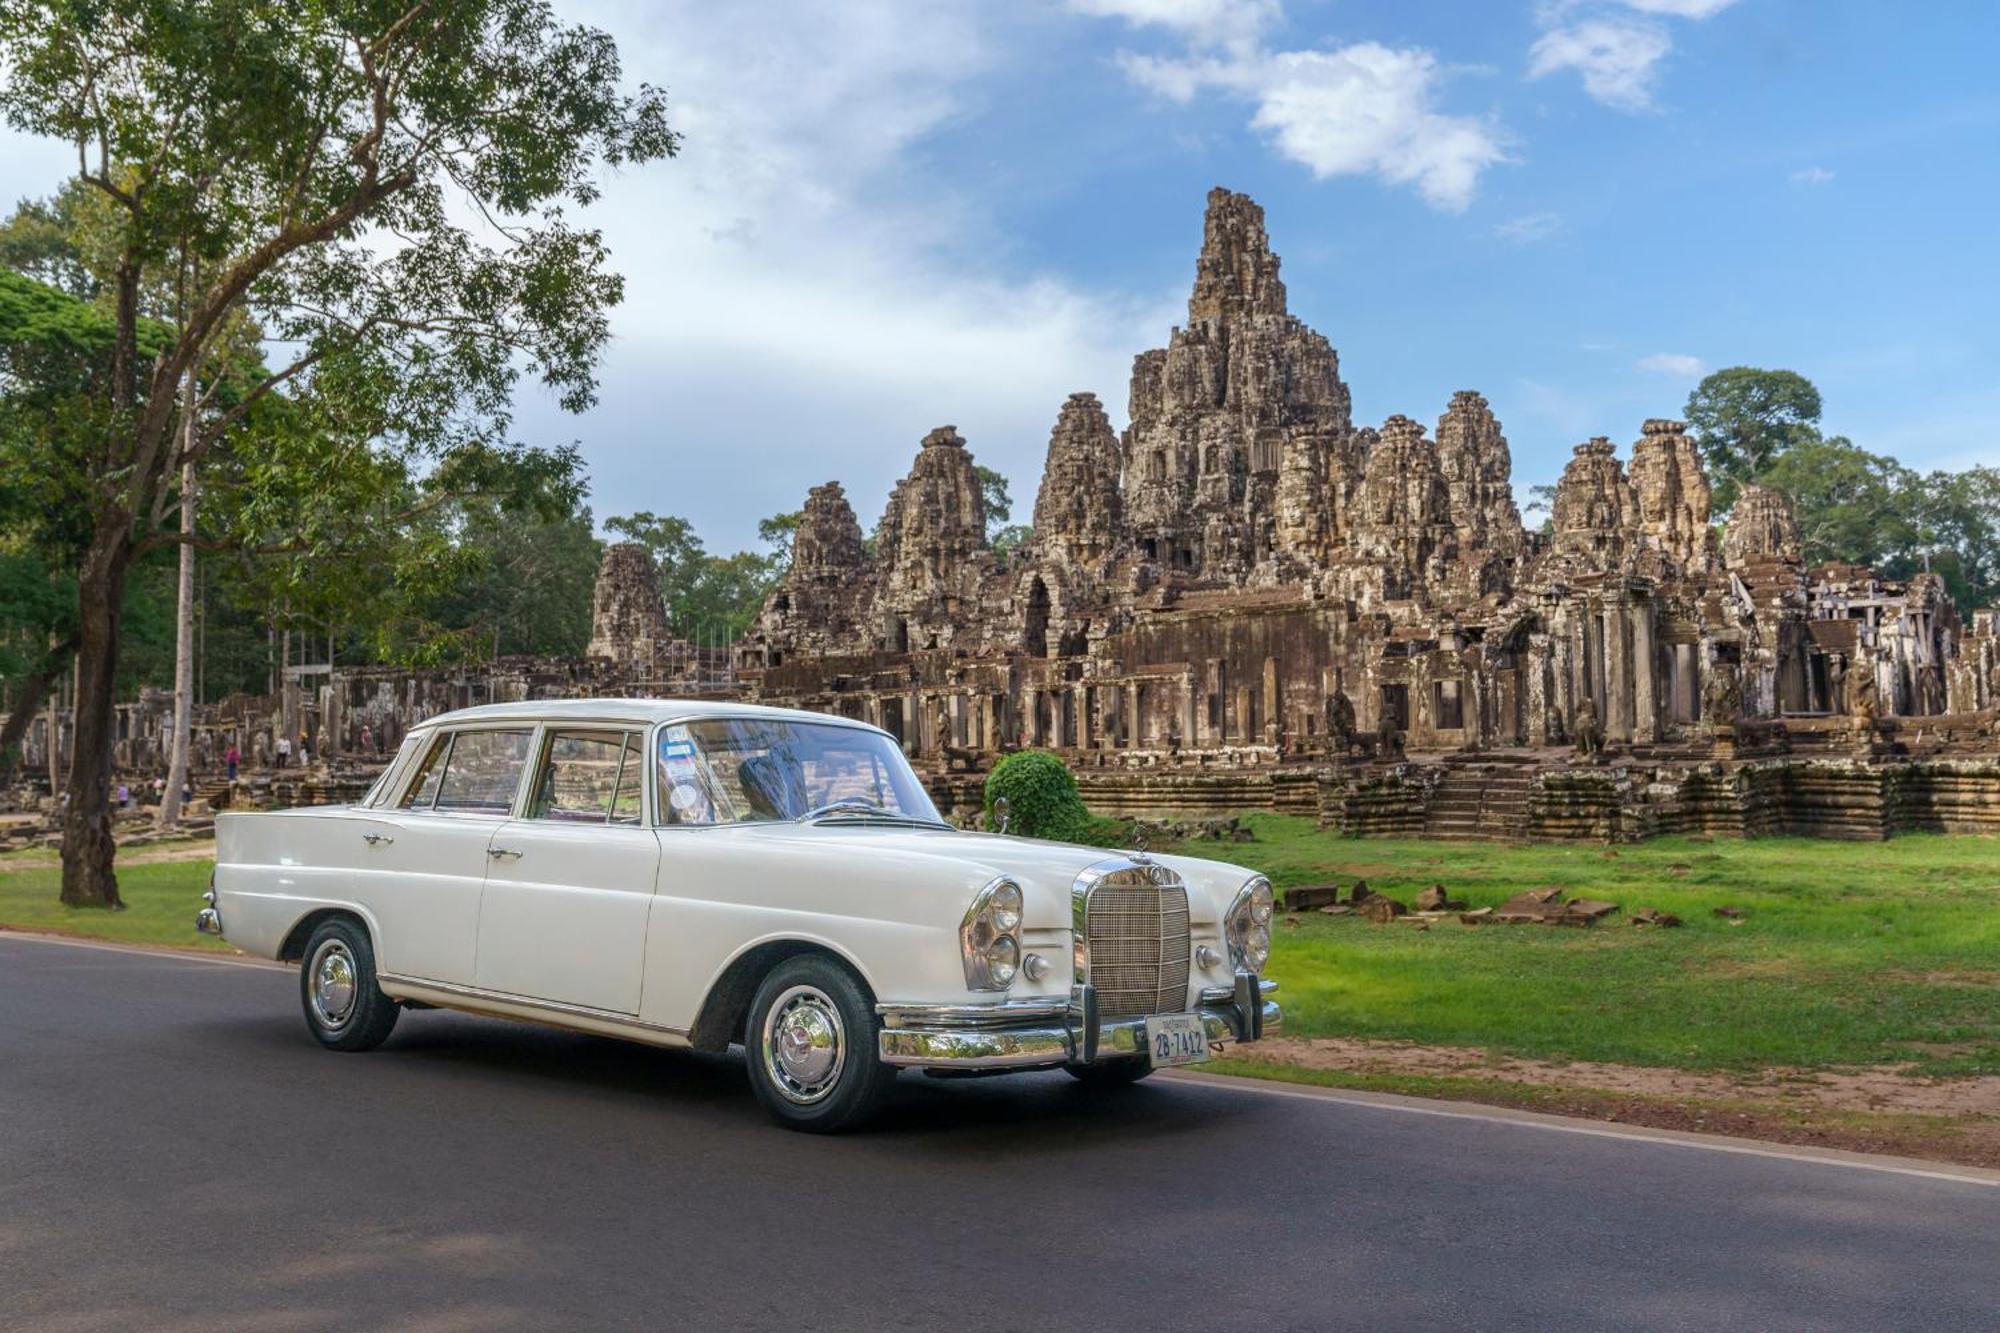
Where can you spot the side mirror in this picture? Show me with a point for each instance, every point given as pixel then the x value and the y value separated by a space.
pixel 1001 805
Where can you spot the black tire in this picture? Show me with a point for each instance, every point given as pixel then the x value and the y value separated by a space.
pixel 804 1082
pixel 1111 1074
pixel 345 1009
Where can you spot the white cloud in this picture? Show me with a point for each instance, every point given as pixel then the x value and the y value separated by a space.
pixel 1529 228
pixel 1205 22
pixel 1677 364
pixel 1618 58
pixel 803 300
pixel 1812 176
pixel 1362 109
pixel 1682 9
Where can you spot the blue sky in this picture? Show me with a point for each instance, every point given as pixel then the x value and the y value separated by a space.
pixel 890 216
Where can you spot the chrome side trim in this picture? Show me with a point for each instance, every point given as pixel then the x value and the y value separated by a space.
pixel 997 1014
pixel 472 993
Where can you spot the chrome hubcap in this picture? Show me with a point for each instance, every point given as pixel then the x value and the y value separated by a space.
pixel 804 1046
pixel 332 974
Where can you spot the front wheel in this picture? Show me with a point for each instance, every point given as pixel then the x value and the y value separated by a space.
pixel 811 1043
pixel 345 1009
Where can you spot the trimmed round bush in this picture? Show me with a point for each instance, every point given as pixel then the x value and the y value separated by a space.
pixel 1041 795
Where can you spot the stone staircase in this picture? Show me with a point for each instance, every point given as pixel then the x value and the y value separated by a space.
pixel 1480 800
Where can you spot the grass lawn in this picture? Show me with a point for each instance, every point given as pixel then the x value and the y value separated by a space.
pixel 161 898
pixel 1848 954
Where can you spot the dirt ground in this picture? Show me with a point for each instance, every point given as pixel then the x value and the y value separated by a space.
pixel 1878 1109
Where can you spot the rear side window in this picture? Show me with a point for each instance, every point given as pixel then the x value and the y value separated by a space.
pixel 482 772
pixel 589 777
pixel 424 783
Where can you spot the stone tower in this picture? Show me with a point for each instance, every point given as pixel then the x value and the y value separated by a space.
pixel 1762 530
pixel 628 619
pixel 929 543
pixel 1079 514
pixel 1216 410
pixel 1595 510
pixel 1479 473
pixel 1673 495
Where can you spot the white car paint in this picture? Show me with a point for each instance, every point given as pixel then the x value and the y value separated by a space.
pixel 627 929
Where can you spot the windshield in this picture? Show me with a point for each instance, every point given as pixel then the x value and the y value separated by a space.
pixel 737 770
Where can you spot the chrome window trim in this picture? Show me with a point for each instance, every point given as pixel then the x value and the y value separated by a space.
pixel 546 739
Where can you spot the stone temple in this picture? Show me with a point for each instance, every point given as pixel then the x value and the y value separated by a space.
pixel 1247 584
pixel 1247 600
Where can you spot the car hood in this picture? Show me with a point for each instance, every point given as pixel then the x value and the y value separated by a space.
pixel 1045 870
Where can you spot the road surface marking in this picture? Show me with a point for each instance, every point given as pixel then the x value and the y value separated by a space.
pixel 143 951
pixel 1389 1101
pixel 1379 1101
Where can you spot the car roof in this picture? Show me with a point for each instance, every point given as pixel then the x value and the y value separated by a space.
pixel 646 711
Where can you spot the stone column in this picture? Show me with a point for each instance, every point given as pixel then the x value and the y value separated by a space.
pixel 1645 687
pixel 913 722
pixel 1134 724
pixel 1080 703
pixel 1270 701
pixel 1537 687
pixel 1190 709
pixel 1617 675
pixel 1031 704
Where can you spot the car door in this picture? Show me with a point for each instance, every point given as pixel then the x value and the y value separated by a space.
pixel 569 884
pixel 423 866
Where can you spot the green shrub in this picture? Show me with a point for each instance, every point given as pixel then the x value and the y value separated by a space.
pixel 1041 796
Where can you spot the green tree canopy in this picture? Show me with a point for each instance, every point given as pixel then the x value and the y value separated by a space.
pixel 1743 417
pixel 383 188
pixel 1852 505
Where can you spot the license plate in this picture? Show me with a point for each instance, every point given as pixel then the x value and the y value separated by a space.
pixel 1176 1039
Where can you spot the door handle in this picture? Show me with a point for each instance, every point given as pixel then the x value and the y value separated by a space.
pixel 375 839
pixel 503 854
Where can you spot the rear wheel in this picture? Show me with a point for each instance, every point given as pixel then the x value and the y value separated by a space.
pixel 1111 1074
pixel 811 1042
pixel 345 1008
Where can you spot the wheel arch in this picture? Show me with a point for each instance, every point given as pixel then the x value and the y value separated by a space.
pixel 724 1009
pixel 293 949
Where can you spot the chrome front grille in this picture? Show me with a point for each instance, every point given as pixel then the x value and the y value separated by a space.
pixel 1136 931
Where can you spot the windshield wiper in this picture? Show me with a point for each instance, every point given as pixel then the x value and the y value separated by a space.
pixel 864 808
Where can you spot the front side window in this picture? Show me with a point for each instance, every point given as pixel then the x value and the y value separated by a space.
pixel 760 770
pixel 589 777
pixel 482 772
pixel 423 789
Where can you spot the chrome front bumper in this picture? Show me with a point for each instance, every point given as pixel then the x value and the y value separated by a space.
pixel 1048 1033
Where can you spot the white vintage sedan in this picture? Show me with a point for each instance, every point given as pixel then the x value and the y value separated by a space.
pixel 700 874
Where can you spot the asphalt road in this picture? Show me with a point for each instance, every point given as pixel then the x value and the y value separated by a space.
pixel 176 1153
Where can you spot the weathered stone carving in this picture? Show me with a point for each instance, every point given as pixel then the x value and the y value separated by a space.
pixel 1244 564
pixel 1762 529
pixel 1673 496
pixel 628 621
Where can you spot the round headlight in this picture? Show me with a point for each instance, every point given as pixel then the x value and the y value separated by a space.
pixel 1262 903
pixel 1004 957
pixel 1006 907
pixel 1257 947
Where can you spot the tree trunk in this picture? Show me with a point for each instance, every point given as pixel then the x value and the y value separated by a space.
pixel 34 687
pixel 88 849
pixel 177 761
